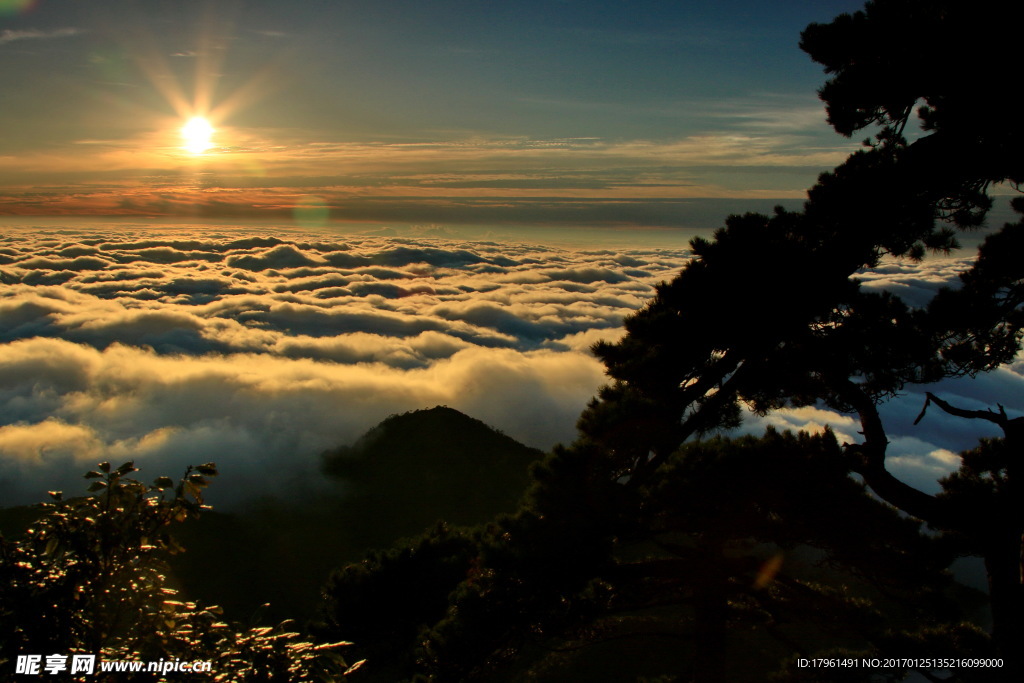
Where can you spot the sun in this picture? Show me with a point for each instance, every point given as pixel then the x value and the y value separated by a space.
pixel 198 134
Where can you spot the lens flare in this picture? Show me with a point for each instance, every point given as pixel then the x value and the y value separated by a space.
pixel 311 212
pixel 198 135
pixel 10 7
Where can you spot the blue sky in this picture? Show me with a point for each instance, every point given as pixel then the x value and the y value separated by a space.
pixel 461 112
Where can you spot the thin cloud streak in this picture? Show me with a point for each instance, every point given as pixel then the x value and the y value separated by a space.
pixel 152 176
pixel 13 35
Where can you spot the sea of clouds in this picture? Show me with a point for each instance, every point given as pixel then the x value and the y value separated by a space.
pixel 260 348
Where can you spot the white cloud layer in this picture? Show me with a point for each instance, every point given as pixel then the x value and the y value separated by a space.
pixel 180 347
pixel 259 350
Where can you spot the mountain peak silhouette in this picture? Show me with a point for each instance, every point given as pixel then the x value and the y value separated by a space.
pixel 432 464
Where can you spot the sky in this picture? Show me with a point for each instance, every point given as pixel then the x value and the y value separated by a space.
pixel 553 112
pixel 400 205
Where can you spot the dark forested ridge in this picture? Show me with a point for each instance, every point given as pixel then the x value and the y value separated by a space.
pixel 403 476
pixel 754 547
pixel 418 467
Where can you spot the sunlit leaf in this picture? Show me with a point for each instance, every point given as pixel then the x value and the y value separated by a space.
pixel 209 469
pixel 355 667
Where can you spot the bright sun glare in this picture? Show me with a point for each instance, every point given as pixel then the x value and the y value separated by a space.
pixel 197 133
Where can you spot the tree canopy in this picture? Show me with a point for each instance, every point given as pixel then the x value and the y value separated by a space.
pixel 769 314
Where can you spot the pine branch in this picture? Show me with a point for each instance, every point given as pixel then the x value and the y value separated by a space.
pixel 869 460
pixel 990 415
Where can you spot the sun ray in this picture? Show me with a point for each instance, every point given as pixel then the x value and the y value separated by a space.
pixel 192 107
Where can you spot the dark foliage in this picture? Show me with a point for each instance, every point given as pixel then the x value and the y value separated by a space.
pixel 89 577
pixel 950 63
pixel 384 601
pixel 755 546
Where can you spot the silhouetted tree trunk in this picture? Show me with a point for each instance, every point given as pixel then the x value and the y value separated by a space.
pixel 1002 562
pixel 711 607
pixel 1003 531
